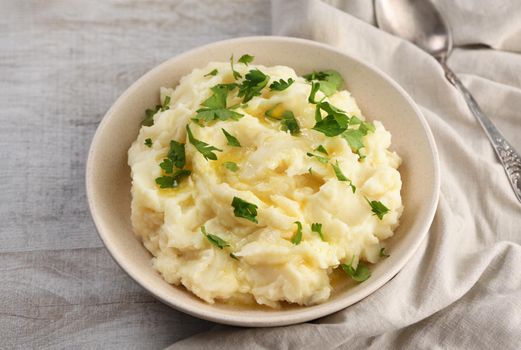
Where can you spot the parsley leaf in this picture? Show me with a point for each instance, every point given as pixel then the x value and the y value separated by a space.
pixel 354 138
pixel 289 122
pixel 243 209
pixel 149 113
pixel 218 98
pixel 216 105
pixel 329 81
pixel 253 84
pixel 281 85
pixel 177 154
pixel 231 166
pixel 236 75
pixel 341 177
pixel 246 59
pixel 360 274
pixel 214 239
pixel 321 149
pixel 321 159
pixel 329 126
pixel 314 89
pixel 317 227
pixel 148 142
pixel 297 237
pixel 202 147
pixel 383 253
pixel 378 208
pixel 173 180
pixel 207 115
pixel 233 256
pixel 212 73
pixel 232 140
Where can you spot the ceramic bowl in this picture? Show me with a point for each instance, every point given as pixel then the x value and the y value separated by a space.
pixel 379 97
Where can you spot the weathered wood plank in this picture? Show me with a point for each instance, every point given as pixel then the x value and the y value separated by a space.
pixel 81 297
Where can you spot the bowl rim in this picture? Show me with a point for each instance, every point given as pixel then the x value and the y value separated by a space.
pixel 271 319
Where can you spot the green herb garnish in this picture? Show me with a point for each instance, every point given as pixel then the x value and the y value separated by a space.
pixel 281 84
pixel 360 274
pixel 215 105
pixel 321 159
pixel 246 59
pixel 232 140
pixel 212 73
pixel 149 113
pixel 236 75
pixel 321 149
pixel 253 84
pixel 202 147
pixel 177 154
pixel 297 237
pixel 233 256
pixel 172 181
pixel 314 89
pixel 148 142
pixel 231 166
pixel 378 208
pixel 214 239
pixel 341 177
pixel 383 253
pixel 243 209
pixel 289 122
pixel 329 81
pixel 329 126
pixel 317 227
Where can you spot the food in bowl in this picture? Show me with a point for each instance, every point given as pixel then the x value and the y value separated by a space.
pixel 251 184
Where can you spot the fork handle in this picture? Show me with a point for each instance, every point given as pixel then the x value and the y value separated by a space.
pixel 508 156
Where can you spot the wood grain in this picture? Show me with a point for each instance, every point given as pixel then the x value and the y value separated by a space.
pixel 62 64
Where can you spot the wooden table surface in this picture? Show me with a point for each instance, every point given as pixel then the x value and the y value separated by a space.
pixel 62 64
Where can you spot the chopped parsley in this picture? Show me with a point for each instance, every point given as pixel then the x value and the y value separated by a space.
pixel 317 228
pixel 202 147
pixel 329 81
pixel 321 159
pixel 233 256
pixel 214 239
pixel 281 84
pixel 314 89
pixel 321 149
pixel 172 181
pixel 149 113
pixel 253 84
pixel 243 209
pixel 329 126
pixel 176 156
pixel 378 208
pixel 289 123
pixel 354 138
pixel 246 59
pixel 297 237
pixel 341 177
pixel 148 142
pixel 231 166
pixel 215 105
pixel 383 253
pixel 212 73
pixel 236 75
pixel 360 274
pixel 232 140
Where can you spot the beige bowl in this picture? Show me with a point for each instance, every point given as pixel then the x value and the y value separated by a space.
pixel 108 175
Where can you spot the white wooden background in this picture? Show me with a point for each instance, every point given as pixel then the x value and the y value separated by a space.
pixel 62 64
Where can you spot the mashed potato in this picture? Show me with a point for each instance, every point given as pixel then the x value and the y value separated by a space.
pixel 284 179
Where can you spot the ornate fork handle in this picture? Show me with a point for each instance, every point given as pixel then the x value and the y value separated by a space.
pixel 510 159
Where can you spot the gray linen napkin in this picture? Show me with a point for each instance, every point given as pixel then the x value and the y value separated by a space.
pixel 462 289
